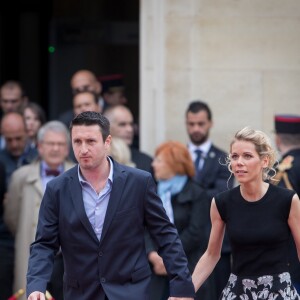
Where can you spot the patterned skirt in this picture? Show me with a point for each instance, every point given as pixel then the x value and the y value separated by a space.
pixel 268 287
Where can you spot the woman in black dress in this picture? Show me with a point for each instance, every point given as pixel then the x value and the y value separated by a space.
pixel 259 218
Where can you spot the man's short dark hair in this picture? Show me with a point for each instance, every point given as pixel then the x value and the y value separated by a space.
pixel 196 106
pixel 89 118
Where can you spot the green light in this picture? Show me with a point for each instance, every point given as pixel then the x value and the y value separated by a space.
pixel 51 49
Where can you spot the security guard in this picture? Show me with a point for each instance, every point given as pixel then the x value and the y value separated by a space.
pixel 287 128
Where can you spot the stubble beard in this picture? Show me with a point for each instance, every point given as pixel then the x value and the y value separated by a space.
pixel 199 140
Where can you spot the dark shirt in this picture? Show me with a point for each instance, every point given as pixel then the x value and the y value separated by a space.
pixel 293 175
pixel 12 163
pixel 4 234
pixel 258 231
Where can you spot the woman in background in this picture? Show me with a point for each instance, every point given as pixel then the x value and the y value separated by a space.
pixel 35 118
pixel 187 206
pixel 120 152
pixel 259 218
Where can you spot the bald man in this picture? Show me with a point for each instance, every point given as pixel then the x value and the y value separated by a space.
pixel 83 81
pixel 17 152
pixel 121 126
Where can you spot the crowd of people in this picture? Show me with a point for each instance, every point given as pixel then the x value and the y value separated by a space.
pixel 86 215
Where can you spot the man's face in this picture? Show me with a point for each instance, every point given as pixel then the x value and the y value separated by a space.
pixel 11 99
pixel 15 139
pixel 115 98
pixel 84 102
pixel 54 148
pixel 85 82
pixel 89 148
pixel 198 126
pixel 122 126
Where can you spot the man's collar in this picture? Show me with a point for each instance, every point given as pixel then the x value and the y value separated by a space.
pixel 110 175
pixel 205 147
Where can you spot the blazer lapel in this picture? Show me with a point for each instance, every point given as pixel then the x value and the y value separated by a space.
pixel 119 179
pixel 208 163
pixel 76 196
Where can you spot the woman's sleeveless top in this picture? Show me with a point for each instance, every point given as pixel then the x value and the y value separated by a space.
pixel 258 231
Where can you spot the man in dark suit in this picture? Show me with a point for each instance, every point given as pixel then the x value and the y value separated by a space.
pixel 287 138
pixel 97 213
pixel 211 173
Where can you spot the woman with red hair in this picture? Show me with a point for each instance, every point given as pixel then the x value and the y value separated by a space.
pixel 186 205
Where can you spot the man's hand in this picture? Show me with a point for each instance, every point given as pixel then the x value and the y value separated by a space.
pixel 157 263
pixel 37 296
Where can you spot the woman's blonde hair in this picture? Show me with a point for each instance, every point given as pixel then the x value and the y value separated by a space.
pixel 262 145
pixel 120 152
pixel 177 157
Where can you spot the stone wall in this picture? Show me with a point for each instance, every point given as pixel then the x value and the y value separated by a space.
pixel 241 57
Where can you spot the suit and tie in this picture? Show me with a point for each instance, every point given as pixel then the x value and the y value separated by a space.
pixel 117 265
pixel 211 173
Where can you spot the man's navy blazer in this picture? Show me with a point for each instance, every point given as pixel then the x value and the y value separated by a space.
pixel 117 263
pixel 215 176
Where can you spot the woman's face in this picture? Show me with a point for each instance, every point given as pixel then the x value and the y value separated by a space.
pixel 32 122
pixel 162 170
pixel 246 164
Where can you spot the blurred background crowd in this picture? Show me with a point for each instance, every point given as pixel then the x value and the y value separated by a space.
pixel 175 79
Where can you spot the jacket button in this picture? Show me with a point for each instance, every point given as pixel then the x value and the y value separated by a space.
pixel 100 253
pixel 103 279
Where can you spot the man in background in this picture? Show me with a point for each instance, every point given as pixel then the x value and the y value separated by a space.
pixel 12 99
pixel 121 125
pixel 287 139
pixel 17 152
pixel 12 96
pixel 24 197
pixel 113 90
pixel 83 81
pixel 85 101
pixel 211 173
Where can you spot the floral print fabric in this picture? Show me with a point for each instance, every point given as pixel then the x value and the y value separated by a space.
pixel 268 287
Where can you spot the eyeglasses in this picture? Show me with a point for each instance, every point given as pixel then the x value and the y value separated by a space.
pixel 53 144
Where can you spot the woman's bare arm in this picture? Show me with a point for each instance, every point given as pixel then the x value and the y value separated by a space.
pixel 209 259
pixel 294 221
